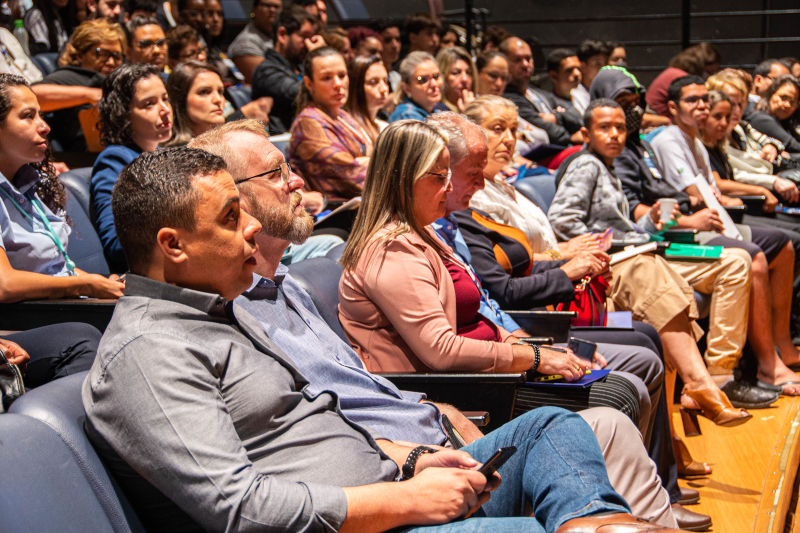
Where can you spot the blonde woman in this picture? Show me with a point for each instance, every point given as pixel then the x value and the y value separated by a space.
pixel 95 50
pixel 459 78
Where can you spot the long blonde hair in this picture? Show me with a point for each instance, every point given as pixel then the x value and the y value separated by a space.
pixel 404 152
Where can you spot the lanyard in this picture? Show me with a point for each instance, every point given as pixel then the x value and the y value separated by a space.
pixel 49 231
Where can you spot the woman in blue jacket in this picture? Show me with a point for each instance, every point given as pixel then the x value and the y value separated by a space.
pixel 420 92
pixel 135 117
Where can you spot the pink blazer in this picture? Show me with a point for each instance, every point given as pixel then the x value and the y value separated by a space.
pixel 398 309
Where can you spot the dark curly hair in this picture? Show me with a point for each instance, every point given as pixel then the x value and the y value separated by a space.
pixel 115 106
pixel 49 189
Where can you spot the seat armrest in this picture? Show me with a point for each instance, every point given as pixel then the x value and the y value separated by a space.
pixel 754 203
pixel 479 418
pixel 553 324
pixel 538 340
pixel 736 212
pixel 495 393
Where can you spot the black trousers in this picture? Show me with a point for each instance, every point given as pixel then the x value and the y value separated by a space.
pixel 57 350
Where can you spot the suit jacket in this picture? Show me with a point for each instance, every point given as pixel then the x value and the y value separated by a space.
pixel 558 133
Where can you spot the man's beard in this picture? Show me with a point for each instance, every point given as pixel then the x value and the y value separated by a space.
pixel 281 222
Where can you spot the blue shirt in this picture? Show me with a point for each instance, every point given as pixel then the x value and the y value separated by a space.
pixel 27 244
pixel 408 109
pixel 107 169
pixel 292 322
pixel 446 229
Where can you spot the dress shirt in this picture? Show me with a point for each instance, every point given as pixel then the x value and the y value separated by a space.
pixel 291 321
pixel 446 229
pixel 27 246
pixel 191 394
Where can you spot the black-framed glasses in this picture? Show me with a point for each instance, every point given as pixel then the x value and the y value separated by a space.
pixel 447 177
pixel 284 168
pixel 494 76
pixel 692 100
pixel 102 55
pixel 424 80
pixel 146 44
pixel 193 55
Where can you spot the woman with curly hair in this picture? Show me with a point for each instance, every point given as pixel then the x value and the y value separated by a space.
pixel 135 117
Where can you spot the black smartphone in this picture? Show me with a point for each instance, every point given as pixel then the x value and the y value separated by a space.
pixel 497 460
pixel 583 349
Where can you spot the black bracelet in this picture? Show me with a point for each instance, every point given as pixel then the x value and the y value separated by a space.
pixel 537 358
pixel 411 461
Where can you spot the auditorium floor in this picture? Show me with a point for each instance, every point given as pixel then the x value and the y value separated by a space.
pixel 753 486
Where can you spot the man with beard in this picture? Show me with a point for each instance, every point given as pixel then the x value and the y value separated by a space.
pixel 280 73
pixel 291 321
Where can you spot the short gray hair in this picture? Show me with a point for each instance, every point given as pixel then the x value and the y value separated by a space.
pixel 454 125
pixel 409 65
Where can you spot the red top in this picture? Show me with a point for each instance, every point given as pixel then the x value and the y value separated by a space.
pixel 656 94
pixel 470 323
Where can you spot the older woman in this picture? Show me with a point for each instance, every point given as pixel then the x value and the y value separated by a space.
pixel 328 147
pixel 532 236
pixel 460 76
pixel 95 50
pixel 368 94
pixel 420 91
pixel 135 117
pixel 776 114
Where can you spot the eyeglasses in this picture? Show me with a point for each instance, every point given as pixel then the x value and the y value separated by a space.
pixel 447 177
pixel 494 76
pixel 284 167
pixel 424 80
pixel 193 55
pixel 103 55
pixel 692 100
pixel 145 44
pixel 786 99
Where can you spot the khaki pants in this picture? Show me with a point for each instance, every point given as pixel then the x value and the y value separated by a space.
pixel 656 291
pixel 728 282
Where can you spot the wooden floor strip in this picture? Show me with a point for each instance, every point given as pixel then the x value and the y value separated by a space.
pixel 755 469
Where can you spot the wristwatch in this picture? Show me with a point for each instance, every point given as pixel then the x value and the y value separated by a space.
pixel 411 461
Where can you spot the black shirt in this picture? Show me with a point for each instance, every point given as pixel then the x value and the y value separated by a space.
pixel 65 128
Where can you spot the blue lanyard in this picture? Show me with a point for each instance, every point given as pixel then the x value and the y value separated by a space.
pixel 50 232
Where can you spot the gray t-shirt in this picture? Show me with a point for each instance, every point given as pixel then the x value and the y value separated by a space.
pixel 250 42
pixel 682 158
pixel 214 415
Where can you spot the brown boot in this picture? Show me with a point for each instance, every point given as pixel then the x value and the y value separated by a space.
pixel 612 523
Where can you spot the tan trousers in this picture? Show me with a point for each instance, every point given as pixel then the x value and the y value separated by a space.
pixel 631 472
pixel 728 282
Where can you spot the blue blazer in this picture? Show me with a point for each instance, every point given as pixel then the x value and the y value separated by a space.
pixel 107 168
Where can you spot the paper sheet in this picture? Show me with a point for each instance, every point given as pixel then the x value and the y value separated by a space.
pixel 729 228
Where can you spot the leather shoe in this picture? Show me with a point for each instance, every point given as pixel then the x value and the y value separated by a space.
pixel 612 523
pixel 743 394
pixel 689 496
pixel 689 520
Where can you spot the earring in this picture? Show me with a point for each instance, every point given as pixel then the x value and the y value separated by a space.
pixel 252 15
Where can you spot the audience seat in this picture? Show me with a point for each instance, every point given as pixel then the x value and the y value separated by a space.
pixel 281 142
pixel 539 189
pixel 58 481
pixel 46 62
pixel 494 393
pixel 336 252
pixel 239 96
pixel 85 247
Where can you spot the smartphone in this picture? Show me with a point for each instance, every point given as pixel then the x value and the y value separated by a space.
pixel 497 460
pixel 583 349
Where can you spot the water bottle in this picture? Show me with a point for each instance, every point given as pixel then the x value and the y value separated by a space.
pixel 22 36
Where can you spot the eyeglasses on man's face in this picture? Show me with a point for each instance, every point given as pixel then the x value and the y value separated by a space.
pixel 694 99
pixel 146 44
pixel 285 173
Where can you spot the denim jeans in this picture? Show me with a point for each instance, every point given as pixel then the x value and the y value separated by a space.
pixel 558 467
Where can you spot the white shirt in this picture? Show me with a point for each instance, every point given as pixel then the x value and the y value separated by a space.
pixel 497 201
pixel 14 60
pixel 682 158
pixel 580 98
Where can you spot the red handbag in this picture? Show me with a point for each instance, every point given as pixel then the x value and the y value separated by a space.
pixel 589 302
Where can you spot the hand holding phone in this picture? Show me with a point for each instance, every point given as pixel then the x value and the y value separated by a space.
pixel 497 460
pixel 583 349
